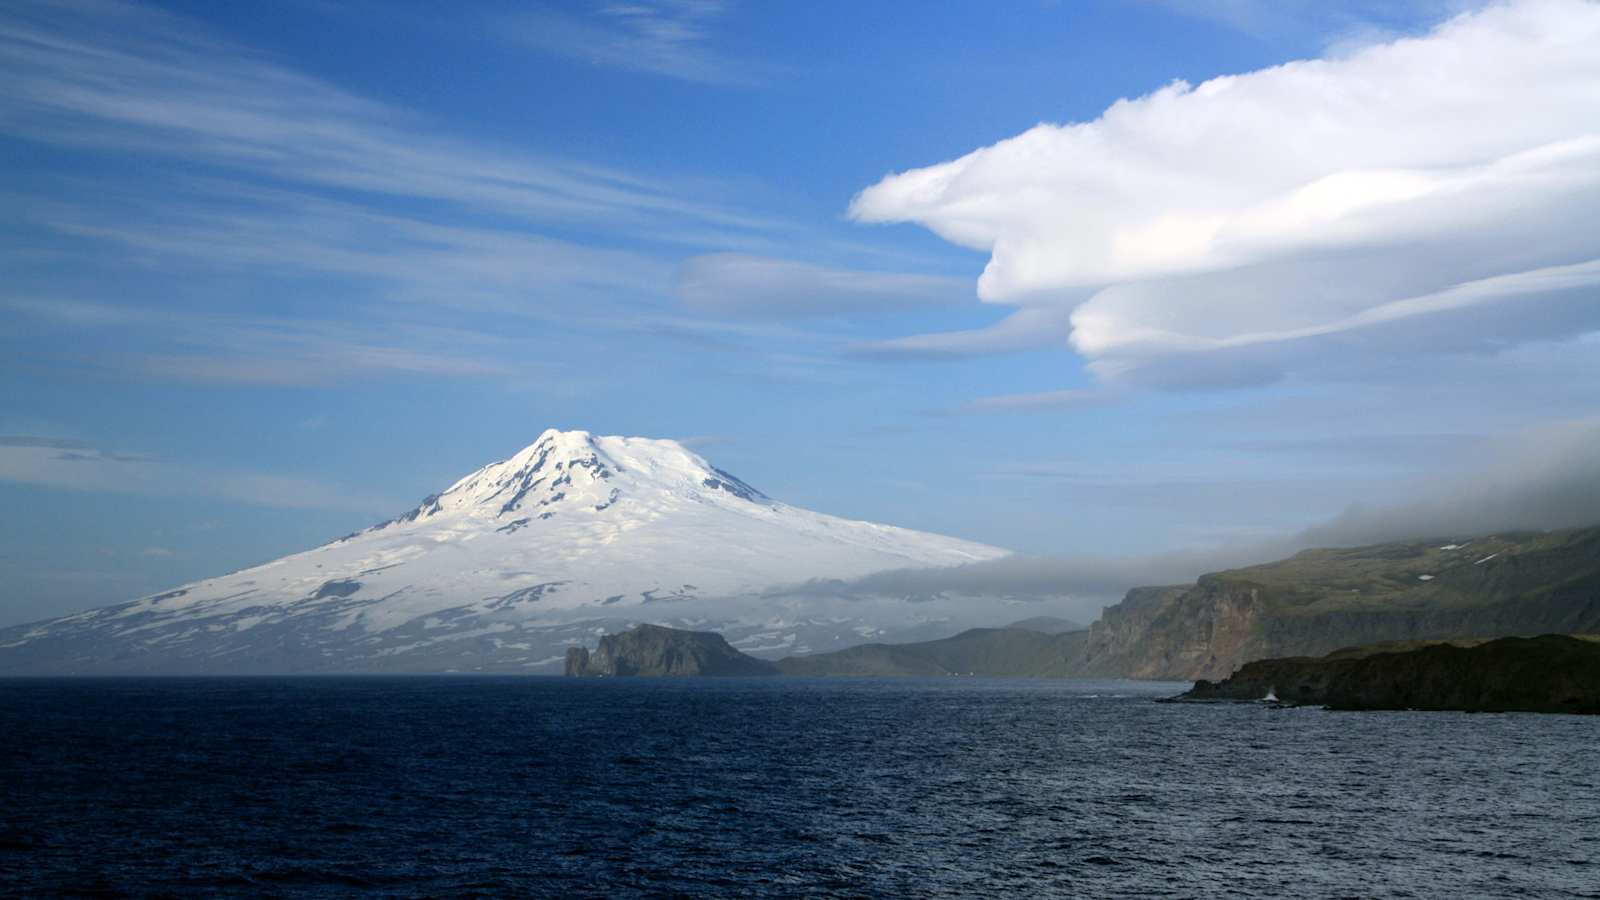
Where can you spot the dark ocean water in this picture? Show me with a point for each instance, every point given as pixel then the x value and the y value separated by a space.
pixel 788 787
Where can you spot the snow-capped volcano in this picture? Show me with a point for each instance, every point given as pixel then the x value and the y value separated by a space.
pixel 572 536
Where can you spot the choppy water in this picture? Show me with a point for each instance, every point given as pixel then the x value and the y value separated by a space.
pixel 778 786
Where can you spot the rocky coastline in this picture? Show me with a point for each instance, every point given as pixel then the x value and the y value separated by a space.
pixel 1551 674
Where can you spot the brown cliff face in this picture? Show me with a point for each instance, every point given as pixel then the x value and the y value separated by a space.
pixel 1321 600
pixel 1175 633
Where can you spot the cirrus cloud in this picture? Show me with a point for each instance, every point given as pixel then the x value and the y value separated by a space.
pixel 758 286
pixel 79 466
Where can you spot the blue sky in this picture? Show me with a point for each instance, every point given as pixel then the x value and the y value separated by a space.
pixel 273 272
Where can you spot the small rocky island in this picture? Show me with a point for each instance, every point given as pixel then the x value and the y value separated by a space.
pixel 651 650
pixel 1552 673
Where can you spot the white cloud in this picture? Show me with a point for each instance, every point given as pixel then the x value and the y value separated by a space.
pixel 758 286
pixel 1259 222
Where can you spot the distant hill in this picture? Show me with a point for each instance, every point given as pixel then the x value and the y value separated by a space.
pixel 1002 652
pixel 1048 625
pixel 1551 673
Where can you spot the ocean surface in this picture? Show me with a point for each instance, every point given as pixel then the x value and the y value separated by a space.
pixel 781 787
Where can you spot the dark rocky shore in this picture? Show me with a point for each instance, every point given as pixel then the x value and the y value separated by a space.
pixel 1552 673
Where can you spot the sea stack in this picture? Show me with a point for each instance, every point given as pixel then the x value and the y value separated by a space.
pixel 654 651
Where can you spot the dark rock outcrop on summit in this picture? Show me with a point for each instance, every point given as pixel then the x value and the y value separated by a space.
pixel 1552 673
pixel 651 650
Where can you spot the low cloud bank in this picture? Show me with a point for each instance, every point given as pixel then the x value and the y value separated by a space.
pixel 1041 577
pixel 1546 478
pixel 1543 479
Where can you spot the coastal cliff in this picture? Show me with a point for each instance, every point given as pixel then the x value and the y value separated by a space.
pixel 654 651
pixel 1550 673
pixel 1320 600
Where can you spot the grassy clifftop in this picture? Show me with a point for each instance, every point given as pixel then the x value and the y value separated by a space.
pixel 1438 573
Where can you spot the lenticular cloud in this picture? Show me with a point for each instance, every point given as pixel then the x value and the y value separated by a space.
pixel 1427 191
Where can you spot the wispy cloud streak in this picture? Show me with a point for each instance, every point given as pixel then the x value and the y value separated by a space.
pixel 217 347
pixel 764 287
pixel 104 75
pixel 669 38
pixel 1043 401
pixel 43 461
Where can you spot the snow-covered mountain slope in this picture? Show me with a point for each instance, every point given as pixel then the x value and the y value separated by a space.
pixel 574 536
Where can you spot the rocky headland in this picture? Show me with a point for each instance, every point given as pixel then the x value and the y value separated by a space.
pixel 1550 673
